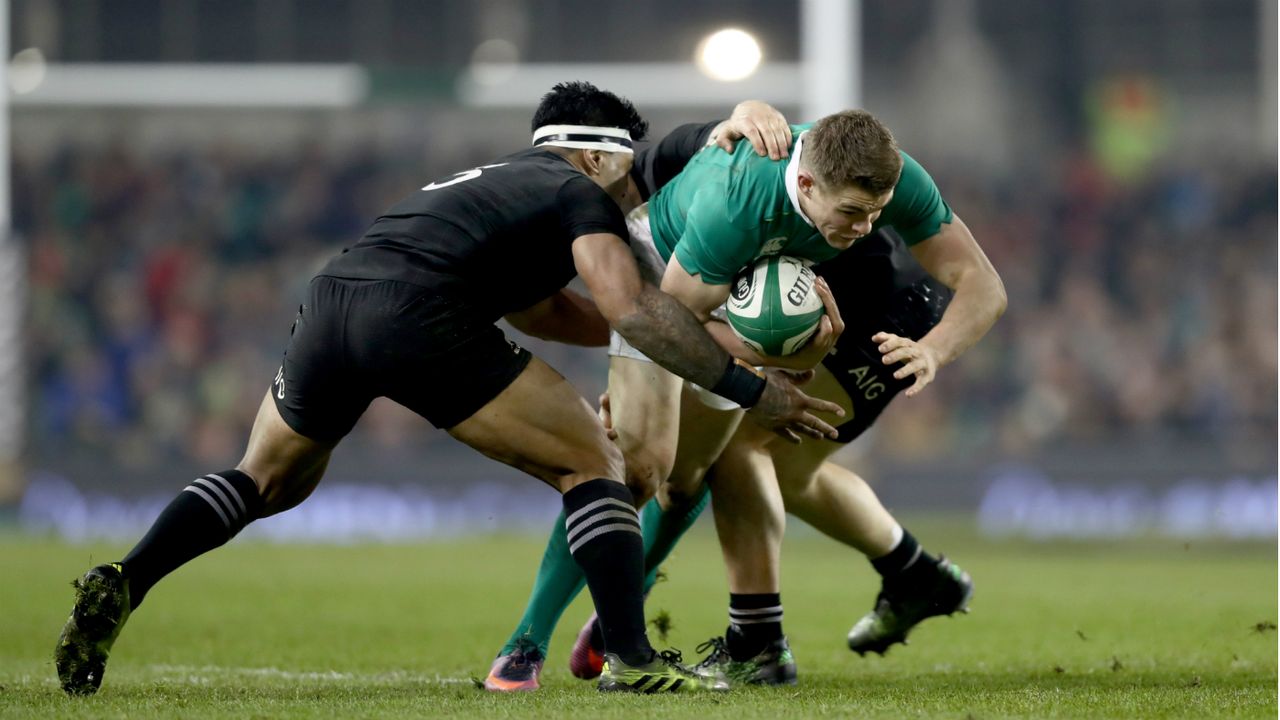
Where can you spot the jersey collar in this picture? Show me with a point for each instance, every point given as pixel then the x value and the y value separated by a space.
pixel 792 177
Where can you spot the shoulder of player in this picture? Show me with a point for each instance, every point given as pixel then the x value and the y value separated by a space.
pixel 576 187
pixel 913 173
pixel 909 164
pixel 914 184
pixel 756 190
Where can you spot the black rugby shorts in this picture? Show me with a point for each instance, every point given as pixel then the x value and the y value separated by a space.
pixel 355 340
pixel 856 361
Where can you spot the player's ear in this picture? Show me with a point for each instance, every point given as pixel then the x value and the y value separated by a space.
pixel 592 160
pixel 804 181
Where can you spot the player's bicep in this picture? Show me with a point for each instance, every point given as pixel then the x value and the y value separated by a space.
pixel 609 270
pixel 951 253
pixel 700 297
pixel 586 209
pixel 529 320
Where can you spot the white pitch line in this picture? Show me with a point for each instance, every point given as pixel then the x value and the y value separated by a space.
pixel 198 674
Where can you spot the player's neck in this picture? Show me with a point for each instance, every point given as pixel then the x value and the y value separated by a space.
pixel 571 156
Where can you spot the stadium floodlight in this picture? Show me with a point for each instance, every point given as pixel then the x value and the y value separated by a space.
pixel 27 70
pixel 494 61
pixel 728 55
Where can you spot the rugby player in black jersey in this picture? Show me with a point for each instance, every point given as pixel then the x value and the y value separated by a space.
pixel 408 313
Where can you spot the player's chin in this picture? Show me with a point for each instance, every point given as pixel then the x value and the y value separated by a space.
pixel 841 242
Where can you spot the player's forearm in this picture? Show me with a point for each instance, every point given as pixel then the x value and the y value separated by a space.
pixel 565 317
pixel 729 340
pixel 577 321
pixel 978 302
pixel 666 331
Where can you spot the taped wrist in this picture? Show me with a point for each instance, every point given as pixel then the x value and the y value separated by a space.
pixel 740 383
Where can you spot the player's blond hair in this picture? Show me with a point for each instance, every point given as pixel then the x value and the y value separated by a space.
pixel 852 148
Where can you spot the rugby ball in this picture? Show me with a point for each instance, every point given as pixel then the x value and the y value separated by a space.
pixel 773 305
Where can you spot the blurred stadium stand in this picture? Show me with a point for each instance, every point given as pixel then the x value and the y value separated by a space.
pixel 1116 161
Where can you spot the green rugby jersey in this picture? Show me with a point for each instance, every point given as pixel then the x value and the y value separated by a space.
pixel 725 210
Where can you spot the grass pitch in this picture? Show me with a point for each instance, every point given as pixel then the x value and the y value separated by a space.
pixel 1135 629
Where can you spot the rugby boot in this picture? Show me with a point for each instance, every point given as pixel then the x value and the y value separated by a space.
pixel 587 657
pixel 518 670
pixel 774 665
pixel 901 606
pixel 662 674
pixel 99 613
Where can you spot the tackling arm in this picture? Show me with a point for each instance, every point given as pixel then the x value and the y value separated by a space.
pixel 665 330
pixel 654 322
pixel 702 298
pixel 566 317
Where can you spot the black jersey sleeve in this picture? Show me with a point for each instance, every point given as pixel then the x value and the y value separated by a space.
pixel 656 164
pixel 586 209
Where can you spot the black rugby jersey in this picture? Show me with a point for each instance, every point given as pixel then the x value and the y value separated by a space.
pixel 656 164
pixel 498 236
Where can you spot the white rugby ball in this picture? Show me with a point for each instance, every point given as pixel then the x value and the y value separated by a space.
pixel 773 305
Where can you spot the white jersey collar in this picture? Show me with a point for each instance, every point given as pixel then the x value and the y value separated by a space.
pixel 793 177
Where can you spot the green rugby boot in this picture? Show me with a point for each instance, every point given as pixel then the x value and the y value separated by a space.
pixel 902 606
pixel 101 609
pixel 775 665
pixel 662 674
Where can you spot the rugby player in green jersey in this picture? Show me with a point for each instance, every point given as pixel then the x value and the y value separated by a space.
pixel 844 178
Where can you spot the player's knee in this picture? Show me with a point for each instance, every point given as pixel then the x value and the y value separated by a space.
pixel 614 462
pixel 682 486
pixel 642 486
pixel 677 496
pixel 646 472
pixel 596 460
pixel 280 492
pixel 795 487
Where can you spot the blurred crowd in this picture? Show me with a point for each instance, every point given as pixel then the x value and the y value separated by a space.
pixel 162 288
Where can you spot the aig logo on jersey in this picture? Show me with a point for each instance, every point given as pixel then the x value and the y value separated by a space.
pixel 867 381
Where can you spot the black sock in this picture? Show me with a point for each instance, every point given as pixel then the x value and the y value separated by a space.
pixel 755 620
pixel 206 514
pixel 904 560
pixel 604 538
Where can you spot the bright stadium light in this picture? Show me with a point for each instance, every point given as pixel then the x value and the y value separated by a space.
pixel 728 55
pixel 27 70
pixel 494 61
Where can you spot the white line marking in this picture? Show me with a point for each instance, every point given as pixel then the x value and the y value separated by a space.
pixel 200 674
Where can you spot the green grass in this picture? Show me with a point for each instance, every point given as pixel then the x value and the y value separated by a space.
pixel 1096 630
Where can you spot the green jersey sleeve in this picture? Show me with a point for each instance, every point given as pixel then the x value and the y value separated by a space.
pixel 712 245
pixel 917 210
